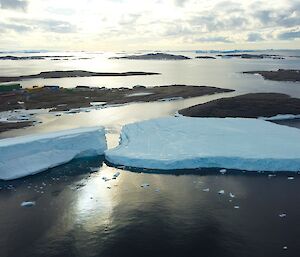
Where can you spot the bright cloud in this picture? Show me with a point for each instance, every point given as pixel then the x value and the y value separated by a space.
pixel 148 24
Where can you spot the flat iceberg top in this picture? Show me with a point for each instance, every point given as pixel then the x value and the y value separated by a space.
pixel 56 134
pixel 27 155
pixel 187 143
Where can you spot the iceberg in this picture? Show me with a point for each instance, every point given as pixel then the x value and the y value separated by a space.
pixel 27 155
pixel 191 143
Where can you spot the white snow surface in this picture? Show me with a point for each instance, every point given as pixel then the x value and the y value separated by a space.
pixel 189 143
pixel 27 155
pixel 281 117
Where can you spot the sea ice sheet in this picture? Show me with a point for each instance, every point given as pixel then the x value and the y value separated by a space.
pixel 188 143
pixel 27 155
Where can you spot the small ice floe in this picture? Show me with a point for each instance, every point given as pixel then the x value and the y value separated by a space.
pixel 94 169
pixel 117 174
pixel 205 190
pixel 106 179
pixel 28 204
pixel 223 171
pixel 145 185
pixel 290 178
pixel 271 175
pixel 285 248
pixel 221 192
pixel 282 215
pixel 231 195
pixel 236 207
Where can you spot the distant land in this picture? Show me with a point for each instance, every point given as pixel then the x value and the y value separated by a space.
pixel 63 99
pixel 153 56
pixel 246 106
pixel 252 56
pixel 279 75
pixel 74 73
pixel 205 57
pixel 224 51
pixel 11 57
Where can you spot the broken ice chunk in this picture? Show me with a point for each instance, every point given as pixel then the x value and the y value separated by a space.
pixel 221 192
pixel 236 207
pixel 117 174
pixel 231 195
pixel 106 179
pixel 282 215
pixel 223 171
pixel 27 204
pixel 94 169
pixel 205 190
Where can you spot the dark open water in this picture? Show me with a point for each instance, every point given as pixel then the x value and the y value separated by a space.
pixel 77 213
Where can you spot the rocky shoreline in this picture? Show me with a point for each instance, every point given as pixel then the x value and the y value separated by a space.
pixel 63 100
pixel 73 74
pixel 153 56
pixel 246 106
pixel 279 75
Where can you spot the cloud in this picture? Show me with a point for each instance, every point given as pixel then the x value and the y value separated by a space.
pixel 289 35
pixel 56 26
pixel 18 28
pixel 24 25
pixel 219 22
pixel 129 19
pixel 180 3
pixel 186 23
pixel 14 4
pixel 218 39
pixel 175 29
pixel 254 37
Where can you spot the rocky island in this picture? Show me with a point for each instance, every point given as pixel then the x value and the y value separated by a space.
pixel 279 75
pixel 246 106
pixel 63 99
pixel 74 73
pixel 251 56
pixel 16 58
pixel 205 57
pixel 153 56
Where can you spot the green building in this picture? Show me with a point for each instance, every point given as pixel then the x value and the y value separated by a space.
pixel 9 87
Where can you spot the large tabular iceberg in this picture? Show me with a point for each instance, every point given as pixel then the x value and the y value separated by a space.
pixel 188 143
pixel 26 155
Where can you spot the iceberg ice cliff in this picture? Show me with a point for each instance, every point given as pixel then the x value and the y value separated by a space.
pixel 188 143
pixel 27 155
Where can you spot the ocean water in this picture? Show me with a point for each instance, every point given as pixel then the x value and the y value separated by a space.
pixel 77 213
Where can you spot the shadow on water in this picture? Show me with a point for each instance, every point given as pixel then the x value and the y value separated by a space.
pixel 78 213
pixel 201 171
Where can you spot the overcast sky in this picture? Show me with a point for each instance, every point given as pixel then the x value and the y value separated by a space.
pixel 112 25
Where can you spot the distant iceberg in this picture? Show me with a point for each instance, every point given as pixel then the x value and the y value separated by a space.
pixel 27 155
pixel 223 51
pixel 189 143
